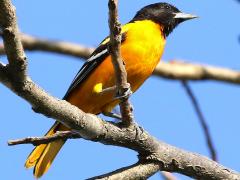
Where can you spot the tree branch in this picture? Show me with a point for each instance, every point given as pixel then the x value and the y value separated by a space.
pixel 37 44
pixel 123 87
pixel 136 171
pixel 176 70
pixel 63 135
pixel 11 40
pixel 91 127
pixel 185 71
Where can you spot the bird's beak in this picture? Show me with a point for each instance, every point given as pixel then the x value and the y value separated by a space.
pixel 184 16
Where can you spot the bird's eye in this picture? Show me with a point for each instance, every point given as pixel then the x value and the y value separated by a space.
pixel 167 7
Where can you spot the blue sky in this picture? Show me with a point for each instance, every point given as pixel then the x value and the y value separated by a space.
pixel 161 106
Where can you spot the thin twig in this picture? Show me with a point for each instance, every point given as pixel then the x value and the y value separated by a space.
pixel 201 120
pixel 65 48
pixel 133 172
pixel 120 72
pixel 60 135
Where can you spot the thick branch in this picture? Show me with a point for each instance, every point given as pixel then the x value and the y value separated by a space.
pixel 63 135
pixel 91 127
pixel 123 87
pixel 11 40
pixel 136 171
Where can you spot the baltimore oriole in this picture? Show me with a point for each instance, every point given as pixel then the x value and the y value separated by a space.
pixel 143 41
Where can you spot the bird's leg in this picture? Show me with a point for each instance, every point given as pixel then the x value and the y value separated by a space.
pixel 98 89
pixel 112 115
pixel 109 89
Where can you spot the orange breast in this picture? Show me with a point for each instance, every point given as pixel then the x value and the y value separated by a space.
pixel 141 52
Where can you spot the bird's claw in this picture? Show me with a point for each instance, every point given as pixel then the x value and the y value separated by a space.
pixel 126 94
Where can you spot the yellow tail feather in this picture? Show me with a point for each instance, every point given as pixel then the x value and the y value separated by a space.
pixel 43 155
pixel 47 158
pixel 34 156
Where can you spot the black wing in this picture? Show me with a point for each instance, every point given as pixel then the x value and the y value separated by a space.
pixel 95 59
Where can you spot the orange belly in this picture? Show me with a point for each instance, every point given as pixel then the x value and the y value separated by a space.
pixel 141 53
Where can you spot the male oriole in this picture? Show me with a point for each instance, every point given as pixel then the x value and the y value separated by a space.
pixel 143 41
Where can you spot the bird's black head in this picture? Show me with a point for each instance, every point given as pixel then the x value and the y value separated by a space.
pixel 164 14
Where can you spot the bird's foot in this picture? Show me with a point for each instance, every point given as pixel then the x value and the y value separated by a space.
pixel 125 94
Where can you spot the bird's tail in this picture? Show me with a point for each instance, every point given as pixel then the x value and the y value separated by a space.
pixel 43 155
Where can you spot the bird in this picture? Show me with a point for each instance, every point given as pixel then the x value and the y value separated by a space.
pixel 142 46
